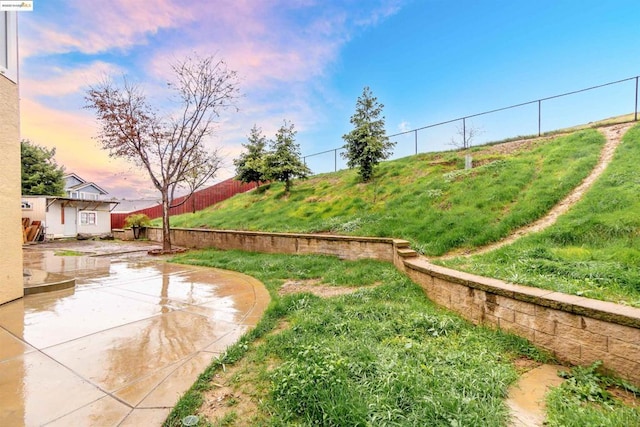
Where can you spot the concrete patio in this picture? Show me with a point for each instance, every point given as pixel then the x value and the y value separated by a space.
pixel 121 347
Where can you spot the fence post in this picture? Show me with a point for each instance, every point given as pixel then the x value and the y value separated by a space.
pixel 415 132
pixel 539 117
pixel 635 117
pixel 335 160
pixel 464 132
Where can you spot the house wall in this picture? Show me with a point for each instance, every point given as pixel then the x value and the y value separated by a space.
pixel 11 284
pixel 53 221
pixel 53 218
pixel 102 225
pixel 38 211
pixel 71 181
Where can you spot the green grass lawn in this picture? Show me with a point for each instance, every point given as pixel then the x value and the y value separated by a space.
pixel 593 250
pixel 384 355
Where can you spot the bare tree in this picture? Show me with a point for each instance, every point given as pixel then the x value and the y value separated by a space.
pixel 170 148
pixel 466 134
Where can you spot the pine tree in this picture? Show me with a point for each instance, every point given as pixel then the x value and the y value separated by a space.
pixel 250 164
pixel 283 163
pixel 41 175
pixel 367 144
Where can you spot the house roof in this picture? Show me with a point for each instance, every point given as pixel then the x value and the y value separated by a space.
pixel 79 202
pixel 79 187
pixel 83 184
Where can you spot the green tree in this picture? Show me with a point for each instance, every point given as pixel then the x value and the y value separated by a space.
pixel 250 164
pixel 283 162
pixel 41 175
pixel 367 144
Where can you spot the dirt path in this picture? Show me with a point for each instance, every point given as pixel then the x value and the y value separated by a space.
pixel 613 135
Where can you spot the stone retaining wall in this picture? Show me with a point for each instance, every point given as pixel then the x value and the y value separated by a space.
pixel 345 247
pixel 575 329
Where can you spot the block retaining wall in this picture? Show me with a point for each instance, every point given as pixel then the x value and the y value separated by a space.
pixel 351 248
pixel 575 329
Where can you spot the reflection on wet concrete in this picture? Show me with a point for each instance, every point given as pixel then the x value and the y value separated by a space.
pixel 123 345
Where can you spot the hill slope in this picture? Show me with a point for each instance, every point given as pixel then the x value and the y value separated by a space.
pixel 428 199
pixel 593 250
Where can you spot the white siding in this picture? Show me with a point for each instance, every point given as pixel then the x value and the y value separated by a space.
pixel 54 225
pixel 102 225
pixel 38 208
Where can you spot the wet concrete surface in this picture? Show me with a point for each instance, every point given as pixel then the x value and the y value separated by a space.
pixel 121 347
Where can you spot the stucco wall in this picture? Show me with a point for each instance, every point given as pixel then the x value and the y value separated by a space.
pixel 11 285
pixel 575 329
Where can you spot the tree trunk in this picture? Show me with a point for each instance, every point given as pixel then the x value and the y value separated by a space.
pixel 166 230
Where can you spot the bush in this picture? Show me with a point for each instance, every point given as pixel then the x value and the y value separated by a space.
pixel 137 220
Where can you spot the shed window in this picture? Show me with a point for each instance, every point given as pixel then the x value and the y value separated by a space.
pixel 88 218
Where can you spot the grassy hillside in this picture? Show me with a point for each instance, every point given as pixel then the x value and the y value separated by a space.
pixel 428 199
pixel 593 250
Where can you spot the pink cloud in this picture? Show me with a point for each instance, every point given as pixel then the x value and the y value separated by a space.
pixel 67 81
pixel 92 27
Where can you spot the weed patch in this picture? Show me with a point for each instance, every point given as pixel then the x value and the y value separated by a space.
pixel 584 399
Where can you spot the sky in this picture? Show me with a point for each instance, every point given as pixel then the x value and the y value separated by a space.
pixel 307 61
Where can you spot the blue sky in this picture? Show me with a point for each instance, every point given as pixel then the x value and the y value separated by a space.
pixel 307 61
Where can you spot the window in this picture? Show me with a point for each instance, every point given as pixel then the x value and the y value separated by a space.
pixel 88 218
pixel 9 45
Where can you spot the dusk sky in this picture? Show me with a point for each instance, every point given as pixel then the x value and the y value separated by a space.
pixel 307 61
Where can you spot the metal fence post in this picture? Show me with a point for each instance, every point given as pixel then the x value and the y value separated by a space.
pixel 335 160
pixel 416 140
pixel 464 132
pixel 635 117
pixel 539 117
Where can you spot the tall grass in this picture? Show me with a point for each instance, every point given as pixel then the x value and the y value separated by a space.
pixel 593 250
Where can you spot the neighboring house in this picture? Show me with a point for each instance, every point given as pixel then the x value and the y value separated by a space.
pixel 11 282
pixel 78 188
pixel 80 211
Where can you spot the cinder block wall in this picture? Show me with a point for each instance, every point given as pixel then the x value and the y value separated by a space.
pixel 575 329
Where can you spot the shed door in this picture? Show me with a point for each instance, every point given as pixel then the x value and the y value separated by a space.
pixel 70 221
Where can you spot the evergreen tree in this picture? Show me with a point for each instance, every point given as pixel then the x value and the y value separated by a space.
pixel 367 144
pixel 41 175
pixel 250 164
pixel 283 163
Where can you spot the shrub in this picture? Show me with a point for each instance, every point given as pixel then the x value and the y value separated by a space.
pixel 137 220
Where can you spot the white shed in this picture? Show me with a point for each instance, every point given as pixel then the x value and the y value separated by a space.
pixel 80 212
